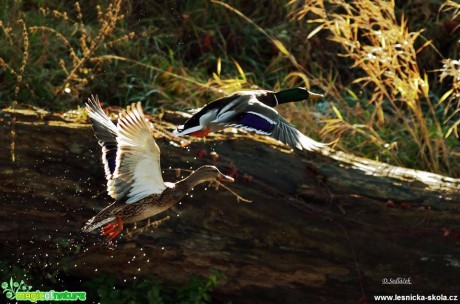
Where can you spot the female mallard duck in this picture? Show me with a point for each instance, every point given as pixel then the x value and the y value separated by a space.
pixel 253 111
pixel 131 160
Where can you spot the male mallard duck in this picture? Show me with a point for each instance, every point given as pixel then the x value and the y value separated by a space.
pixel 131 160
pixel 253 111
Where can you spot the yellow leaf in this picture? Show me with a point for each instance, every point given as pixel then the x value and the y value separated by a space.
pixel 444 97
pixel 352 94
pixel 240 70
pixel 216 77
pixel 280 46
pixel 454 129
pixel 301 76
pixel 381 117
pixel 218 66
pixel 336 111
pixel 423 46
pixel 315 31
pixel 425 86
pixel 361 79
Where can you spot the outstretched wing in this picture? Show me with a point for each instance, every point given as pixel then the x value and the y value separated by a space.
pixel 257 117
pixel 137 173
pixel 287 134
pixel 106 133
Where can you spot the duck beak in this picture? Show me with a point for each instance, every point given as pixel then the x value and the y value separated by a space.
pixel 225 178
pixel 314 95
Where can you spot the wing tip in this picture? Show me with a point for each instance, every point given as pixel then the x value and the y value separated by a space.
pixel 310 144
pixel 133 111
pixel 93 103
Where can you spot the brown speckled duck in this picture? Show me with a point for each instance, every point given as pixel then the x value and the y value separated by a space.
pixel 131 160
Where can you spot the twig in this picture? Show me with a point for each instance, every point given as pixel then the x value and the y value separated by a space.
pixel 149 225
pixel 238 197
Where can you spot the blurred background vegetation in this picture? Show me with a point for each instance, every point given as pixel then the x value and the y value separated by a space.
pixel 104 288
pixel 390 71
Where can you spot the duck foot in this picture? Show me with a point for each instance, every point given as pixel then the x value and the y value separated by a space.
pixel 112 230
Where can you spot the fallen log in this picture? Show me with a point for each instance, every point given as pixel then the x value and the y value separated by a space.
pixel 322 226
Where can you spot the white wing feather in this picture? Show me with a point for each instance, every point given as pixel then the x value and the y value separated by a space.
pixel 106 133
pixel 137 172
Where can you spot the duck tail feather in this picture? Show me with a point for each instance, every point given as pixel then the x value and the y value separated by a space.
pixel 94 223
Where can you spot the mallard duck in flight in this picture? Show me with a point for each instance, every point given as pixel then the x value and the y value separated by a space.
pixel 252 111
pixel 131 160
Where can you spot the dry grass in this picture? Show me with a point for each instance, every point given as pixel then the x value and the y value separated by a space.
pixel 79 65
pixel 381 47
pixel 451 71
pixel 79 69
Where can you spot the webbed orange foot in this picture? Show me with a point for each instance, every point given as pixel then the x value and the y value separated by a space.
pixel 112 230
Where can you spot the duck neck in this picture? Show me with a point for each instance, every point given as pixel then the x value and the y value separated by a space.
pixel 195 178
pixel 291 95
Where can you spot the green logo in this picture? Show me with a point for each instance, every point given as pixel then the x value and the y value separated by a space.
pixel 12 288
pixel 21 292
